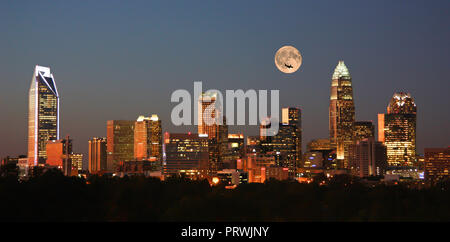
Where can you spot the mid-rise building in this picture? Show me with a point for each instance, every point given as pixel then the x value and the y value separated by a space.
pixel 313 159
pixel 256 165
pixel 232 177
pixel 77 162
pixel 97 155
pixel 58 152
pixel 368 158
pixel 186 155
pixel 437 164
pixel 327 150
pixel 148 139
pixel 120 142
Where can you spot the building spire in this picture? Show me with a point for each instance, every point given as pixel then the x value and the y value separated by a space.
pixel 341 71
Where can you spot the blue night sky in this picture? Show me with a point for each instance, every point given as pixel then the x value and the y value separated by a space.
pixel 120 59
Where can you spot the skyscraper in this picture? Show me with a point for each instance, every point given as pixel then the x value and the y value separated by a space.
pixel 148 138
pixel 363 130
pixel 399 132
pixel 97 155
pixel 208 115
pixel 186 154
pixel 342 111
pixel 283 146
pixel 120 142
pixel 43 114
pixel 292 116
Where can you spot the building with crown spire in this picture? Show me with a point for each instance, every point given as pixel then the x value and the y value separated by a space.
pixel 342 112
pixel 43 114
pixel 397 129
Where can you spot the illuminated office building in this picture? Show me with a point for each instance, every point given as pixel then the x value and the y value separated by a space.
pixel 43 114
pixel 313 159
pixel 399 132
pixel 437 164
pixel 256 164
pixel 327 150
pixel 236 145
pixel 148 138
pixel 283 146
pixel 292 116
pixel 211 126
pixel 120 142
pixel 77 161
pixel 232 177
pixel 186 154
pixel 342 111
pixel 97 155
pixel 208 115
pixel 253 144
pixel 363 130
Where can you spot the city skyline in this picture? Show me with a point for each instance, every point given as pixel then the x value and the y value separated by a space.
pixel 117 95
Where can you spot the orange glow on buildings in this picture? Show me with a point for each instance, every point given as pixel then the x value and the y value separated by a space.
pixel 381 127
pixel 58 151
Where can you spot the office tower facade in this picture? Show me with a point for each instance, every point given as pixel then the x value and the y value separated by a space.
pixel 313 159
pixel 342 112
pixel 43 114
pixel 58 152
pixel 208 115
pixel 186 154
pixel 437 164
pixel 327 150
pixel 148 139
pixel 236 146
pixel 120 142
pixel 77 162
pixel 256 164
pixel 97 155
pixel 363 130
pixel 253 144
pixel 232 177
pixel 399 132
pixel 283 146
pixel 293 116
pixel 367 158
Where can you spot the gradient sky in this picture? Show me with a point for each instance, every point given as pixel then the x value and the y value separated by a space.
pixel 120 59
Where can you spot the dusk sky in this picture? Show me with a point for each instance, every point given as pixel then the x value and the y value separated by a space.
pixel 122 59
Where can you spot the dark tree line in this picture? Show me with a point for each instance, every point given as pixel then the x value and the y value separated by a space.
pixel 54 197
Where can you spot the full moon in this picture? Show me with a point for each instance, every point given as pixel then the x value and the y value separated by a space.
pixel 288 59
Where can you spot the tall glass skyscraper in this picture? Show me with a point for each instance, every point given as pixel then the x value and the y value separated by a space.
pixel 148 139
pixel 43 114
pixel 292 116
pixel 119 142
pixel 399 130
pixel 342 112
